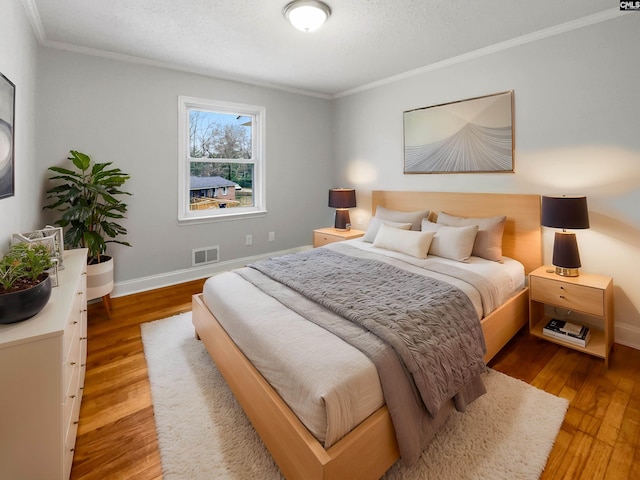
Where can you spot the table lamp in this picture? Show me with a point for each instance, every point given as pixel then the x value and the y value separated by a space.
pixel 342 199
pixel 565 212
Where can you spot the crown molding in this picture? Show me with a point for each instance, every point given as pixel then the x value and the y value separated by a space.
pixel 498 47
pixel 36 24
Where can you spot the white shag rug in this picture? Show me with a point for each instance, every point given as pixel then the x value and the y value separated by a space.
pixel 204 434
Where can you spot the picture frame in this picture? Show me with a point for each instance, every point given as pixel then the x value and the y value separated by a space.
pixel 52 237
pixel 50 241
pixel 474 135
pixel 7 135
pixel 53 273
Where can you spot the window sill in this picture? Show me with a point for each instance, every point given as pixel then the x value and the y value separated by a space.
pixel 221 218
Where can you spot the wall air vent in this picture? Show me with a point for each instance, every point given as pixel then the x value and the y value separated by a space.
pixel 202 256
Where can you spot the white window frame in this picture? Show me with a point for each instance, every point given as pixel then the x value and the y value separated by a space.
pixel 258 135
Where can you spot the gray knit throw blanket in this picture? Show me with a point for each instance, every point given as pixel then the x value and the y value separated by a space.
pixel 431 325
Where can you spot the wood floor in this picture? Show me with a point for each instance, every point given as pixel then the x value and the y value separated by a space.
pixel 600 438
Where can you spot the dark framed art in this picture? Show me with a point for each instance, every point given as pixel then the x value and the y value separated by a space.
pixel 7 108
pixel 467 136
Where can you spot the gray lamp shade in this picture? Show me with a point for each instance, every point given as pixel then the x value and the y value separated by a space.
pixel 342 199
pixel 565 212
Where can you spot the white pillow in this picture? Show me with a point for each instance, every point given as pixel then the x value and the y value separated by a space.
pixel 374 226
pixel 414 218
pixel 408 242
pixel 455 243
pixel 488 242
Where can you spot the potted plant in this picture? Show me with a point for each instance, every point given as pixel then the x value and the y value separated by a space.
pixel 89 199
pixel 25 286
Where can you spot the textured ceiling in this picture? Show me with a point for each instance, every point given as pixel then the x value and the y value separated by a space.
pixel 364 41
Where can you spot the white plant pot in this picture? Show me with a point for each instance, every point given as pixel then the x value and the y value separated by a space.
pixel 99 279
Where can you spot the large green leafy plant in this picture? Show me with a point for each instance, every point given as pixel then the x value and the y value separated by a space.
pixel 89 200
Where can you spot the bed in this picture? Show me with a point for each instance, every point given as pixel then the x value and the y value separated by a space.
pixel 370 448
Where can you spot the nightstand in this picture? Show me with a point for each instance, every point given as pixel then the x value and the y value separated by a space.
pixel 323 236
pixel 588 296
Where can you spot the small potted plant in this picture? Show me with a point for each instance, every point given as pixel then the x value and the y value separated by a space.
pixel 25 286
pixel 89 199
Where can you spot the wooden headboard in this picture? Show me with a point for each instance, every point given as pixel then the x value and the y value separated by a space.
pixel 522 237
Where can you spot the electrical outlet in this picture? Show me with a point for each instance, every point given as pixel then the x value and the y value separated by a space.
pixel 248 240
pixel 272 236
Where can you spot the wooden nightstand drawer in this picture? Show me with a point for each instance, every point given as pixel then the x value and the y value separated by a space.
pixel 320 239
pixel 324 236
pixel 566 295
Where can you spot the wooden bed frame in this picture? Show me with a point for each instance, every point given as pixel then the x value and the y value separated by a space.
pixel 370 449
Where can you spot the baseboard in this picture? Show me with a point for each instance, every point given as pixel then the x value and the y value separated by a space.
pixel 151 282
pixel 628 335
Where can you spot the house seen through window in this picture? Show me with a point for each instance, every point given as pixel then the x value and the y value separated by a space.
pixel 221 160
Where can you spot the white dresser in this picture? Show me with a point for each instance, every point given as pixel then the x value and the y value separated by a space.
pixel 42 367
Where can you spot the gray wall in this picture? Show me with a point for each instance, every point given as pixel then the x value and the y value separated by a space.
pixel 127 113
pixel 577 111
pixel 18 60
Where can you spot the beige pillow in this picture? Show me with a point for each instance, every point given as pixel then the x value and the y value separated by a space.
pixel 455 243
pixel 488 242
pixel 374 226
pixel 414 218
pixel 408 242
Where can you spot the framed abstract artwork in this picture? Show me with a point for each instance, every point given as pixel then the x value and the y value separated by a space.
pixel 467 136
pixel 7 108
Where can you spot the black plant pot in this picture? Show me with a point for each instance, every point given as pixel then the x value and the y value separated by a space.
pixel 24 304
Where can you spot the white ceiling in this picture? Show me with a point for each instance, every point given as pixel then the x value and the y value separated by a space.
pixel 364 41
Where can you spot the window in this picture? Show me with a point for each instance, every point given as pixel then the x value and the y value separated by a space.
pixel 221 160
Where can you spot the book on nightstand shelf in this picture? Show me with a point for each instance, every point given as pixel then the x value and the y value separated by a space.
pixel 567 331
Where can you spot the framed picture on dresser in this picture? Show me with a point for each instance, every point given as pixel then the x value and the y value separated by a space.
pixel 7 109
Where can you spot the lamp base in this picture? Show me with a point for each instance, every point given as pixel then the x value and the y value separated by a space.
pixel 567 272
pixel 342 220
pixel 566 257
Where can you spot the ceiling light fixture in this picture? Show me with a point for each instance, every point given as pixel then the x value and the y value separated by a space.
pixel 307 15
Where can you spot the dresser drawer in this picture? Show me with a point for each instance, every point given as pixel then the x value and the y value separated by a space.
pixel 72 333
pixel 72 396
pixel 75 318
pixel 73 358
pixel 566 295
pixel 70 437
